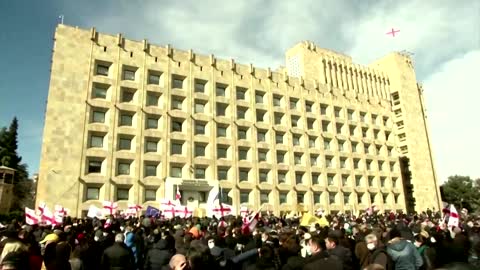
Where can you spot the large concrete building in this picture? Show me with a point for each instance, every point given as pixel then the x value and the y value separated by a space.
pixel 129 121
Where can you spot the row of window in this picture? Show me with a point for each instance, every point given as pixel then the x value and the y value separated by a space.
pixel 93 193
pixel 241 93
pixel 126 119
pixel 94 165
pixel 177 147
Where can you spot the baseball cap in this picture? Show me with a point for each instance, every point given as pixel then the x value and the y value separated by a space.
pixel 50 238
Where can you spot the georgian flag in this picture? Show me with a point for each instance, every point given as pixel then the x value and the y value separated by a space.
pixel 183 211
pixel 48 217
pixel 454 218
pixel 178 196
pixel 31 217
pixel 222 210
pixel 109 207
pixel 132 209
pixel 61 211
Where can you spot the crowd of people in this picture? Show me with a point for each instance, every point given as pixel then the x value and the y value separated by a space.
pixel 373 242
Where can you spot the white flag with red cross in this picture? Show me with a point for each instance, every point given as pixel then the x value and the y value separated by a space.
pixel 48 217
pixel 61 211
pixel 132 209
pixel 178 195
pixel 31 217
pixel 222 210
pixel 453 220
pixel 183 211
pixel 109 207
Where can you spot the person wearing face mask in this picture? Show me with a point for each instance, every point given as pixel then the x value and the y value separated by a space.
pixel 334 248
pixel 377 253
pixel 320 258
pixel 420 242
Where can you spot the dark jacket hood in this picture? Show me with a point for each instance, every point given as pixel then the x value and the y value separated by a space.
pixel 161 244
pixel 398 244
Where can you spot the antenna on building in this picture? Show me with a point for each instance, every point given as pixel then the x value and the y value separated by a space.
pixel 61 17
pixel 408 54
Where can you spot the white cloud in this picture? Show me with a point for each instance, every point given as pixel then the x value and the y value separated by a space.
pixel 452 97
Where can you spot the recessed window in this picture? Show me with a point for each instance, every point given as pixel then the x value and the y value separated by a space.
pixel 278 118
pixel 221 90
pixel 200 128
pixel 128 74
pixel 244 196
pixel 313 160
pixel 150 170
pixel 151 146
pixel 199 106
pixel 221 109
pixel 150 195
pixel 280 157
pixel 222 151
pixel 315 178
pixel 241 93
pixel 329 161
pixel 382 182
pixel 308 106
pixel 177 125
pixel 350 115
pixel 99 91
pixel 362 116
pixel 299 178
pixel 200 173
pixel 241 112
pixel 93 193
pixel 259 97
pixel 152 99
pixel 344 180
pixel 317 198
pixel 358 180
pixel 242 154
pixel 176 148
pixel 154 77
pixel 323 109
pixel 123 168
pixel 346 198
pixel 94 166
pixel 263 176
pixel 96 140
pixel 261 135
pixel 297 158
pixel 343 163
pixel 221 131
pixel 282 177
pixel 177 103
pixel 331 179
pixel 124 143
pixel 102 69
pixel 264 197
pixel 331 197
pixel 325 126
pixel 222 173
pixel 326 144
pixel 296 140
pixel 311 142
pixel 152 123
pixel 260 115
pixel 122 194
pixel 242 133
pixel 295 120
pixel 176 171
pixel 300 197
pixel 293 103
pixel 282 197
pixel 338 112
pixel 200 86
pixel 199 150
pixel 359 197
pixel 310 124
pixel 98 116
pixel 243 175
pixel 177 81
pixel 277 100
pixel 341 146
pixel 262 155
pixel 279 138
pixel 126 119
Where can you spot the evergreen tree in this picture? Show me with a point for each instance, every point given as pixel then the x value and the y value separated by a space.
pixel 10 158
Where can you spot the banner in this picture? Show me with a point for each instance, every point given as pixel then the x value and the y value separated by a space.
pixel 152 211
pixel 94 211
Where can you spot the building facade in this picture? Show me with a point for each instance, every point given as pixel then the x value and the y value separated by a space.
pixel 128 121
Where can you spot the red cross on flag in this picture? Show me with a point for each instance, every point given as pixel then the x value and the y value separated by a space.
pixel 41 208
pixel 183 211
pixel 222 210
pixel 132 209
pixel 169 212
pixel 48 217
pixel 61 211
pixel 178 196
pixel 167 203
pixel 31 217
pixel 454 218
pixel 109 207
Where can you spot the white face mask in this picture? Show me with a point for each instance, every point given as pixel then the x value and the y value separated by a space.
pixel 96 238
pixel 417 244
pixel 371 246
pixel 211 245
pixel 309 250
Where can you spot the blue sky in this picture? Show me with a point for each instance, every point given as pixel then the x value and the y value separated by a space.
pixel 443 35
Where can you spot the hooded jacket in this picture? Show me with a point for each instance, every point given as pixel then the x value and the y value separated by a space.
pixel 159 256
pixel 404 254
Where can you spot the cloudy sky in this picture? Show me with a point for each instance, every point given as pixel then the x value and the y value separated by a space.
pixel 444 36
